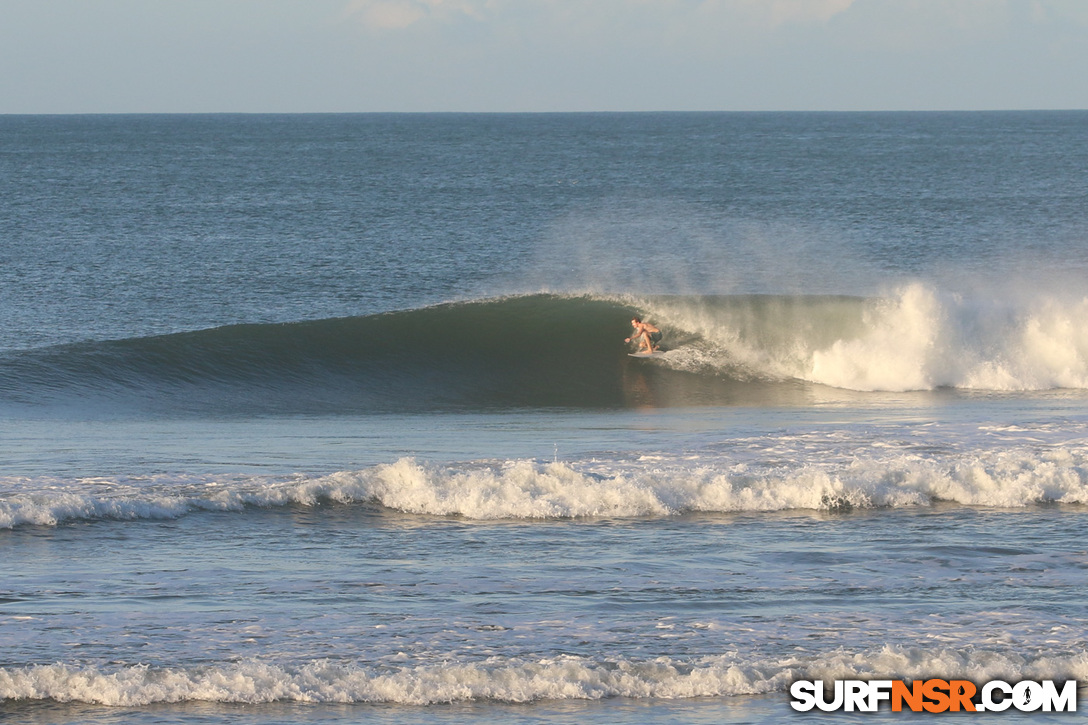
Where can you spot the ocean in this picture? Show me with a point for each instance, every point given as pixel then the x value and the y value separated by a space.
pixel 330 418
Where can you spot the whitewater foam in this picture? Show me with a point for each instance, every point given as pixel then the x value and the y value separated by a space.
pixel 514 680
pixel 524 489
pixel 916 337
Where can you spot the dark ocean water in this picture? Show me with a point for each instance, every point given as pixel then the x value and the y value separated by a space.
pixel 331 418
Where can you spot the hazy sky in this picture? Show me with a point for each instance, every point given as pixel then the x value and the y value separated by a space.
pixel 77 56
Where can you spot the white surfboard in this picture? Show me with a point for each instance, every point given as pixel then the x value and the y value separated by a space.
pixel 655 353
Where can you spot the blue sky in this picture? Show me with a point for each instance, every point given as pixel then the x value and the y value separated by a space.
pixel 134 56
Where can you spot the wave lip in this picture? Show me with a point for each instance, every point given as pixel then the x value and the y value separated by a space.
pixel 514 680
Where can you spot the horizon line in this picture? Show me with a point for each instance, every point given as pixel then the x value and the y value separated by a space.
pixel 539 113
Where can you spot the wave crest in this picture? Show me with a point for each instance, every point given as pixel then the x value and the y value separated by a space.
pixel 531 490
pixel 915 338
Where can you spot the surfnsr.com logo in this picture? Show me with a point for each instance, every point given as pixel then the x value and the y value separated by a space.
pixel 934 696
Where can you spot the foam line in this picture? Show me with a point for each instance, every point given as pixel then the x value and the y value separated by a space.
pixel 523 489
pixel 512 680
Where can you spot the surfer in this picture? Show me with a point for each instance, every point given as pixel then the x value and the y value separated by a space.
pixel 646 334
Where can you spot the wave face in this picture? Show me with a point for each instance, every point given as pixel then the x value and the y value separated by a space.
pixel 567 351
pixel 527 351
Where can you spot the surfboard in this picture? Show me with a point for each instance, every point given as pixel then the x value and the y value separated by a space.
pixel 655 353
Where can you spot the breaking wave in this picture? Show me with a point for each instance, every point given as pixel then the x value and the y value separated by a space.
pixel 530 490
pixel 513 680
pixel 547 350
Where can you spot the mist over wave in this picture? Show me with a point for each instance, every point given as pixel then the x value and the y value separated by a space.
pixel 549 350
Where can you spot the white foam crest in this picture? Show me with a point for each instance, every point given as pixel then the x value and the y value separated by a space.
pixel 915 338
pixel 920 339
pixel 527 489
pixel 566 678
pixel 977 665
pixel 897 351
pixel 53 502
pixel 517 489
pixel 515 680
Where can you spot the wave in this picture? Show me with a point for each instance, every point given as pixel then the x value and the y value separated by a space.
pixel 914 338
pixel 548 350
pixel 531 351
pixel 515 680
pixel 531 490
